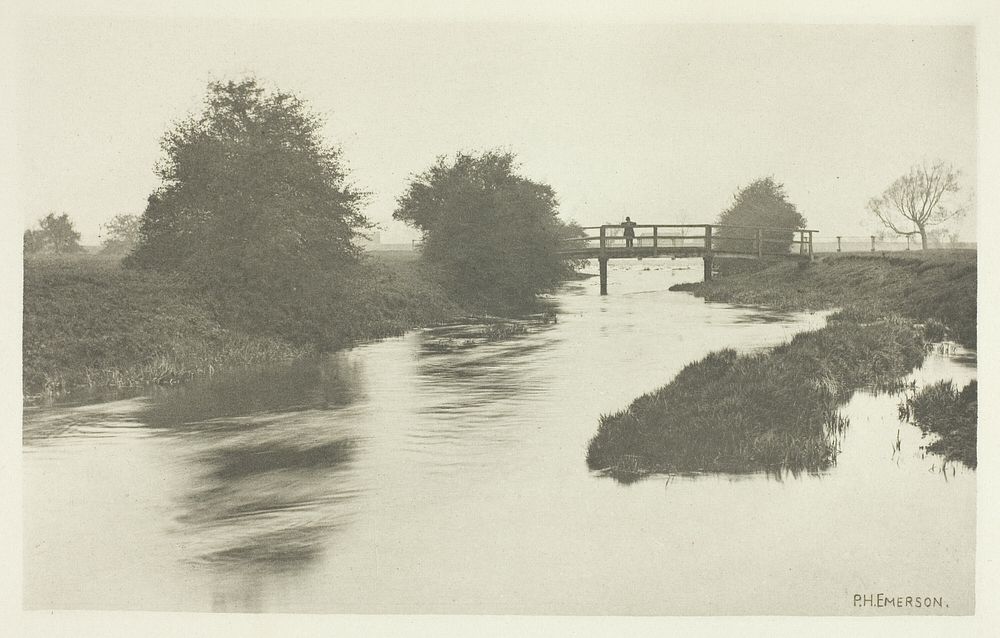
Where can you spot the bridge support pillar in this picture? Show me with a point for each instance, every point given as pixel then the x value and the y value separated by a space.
pixel 708 266
pixel 603 261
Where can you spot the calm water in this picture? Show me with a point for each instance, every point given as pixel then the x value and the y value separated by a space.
pixel 441 473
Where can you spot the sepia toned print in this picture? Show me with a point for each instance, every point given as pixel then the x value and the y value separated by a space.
pixel 538 318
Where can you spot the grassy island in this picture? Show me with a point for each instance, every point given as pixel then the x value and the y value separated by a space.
pixel 777 410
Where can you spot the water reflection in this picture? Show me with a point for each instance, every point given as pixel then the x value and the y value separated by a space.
pixel 262 502
pixel 471 383
pixel 322 384
pixel 45 426
pixel 271 466
pixel 483 371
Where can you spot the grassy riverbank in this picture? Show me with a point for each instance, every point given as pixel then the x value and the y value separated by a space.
pixel 89 323
pixel 934 286
pixel 777 410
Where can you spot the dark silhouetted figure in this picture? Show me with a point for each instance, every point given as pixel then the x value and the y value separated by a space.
pixel 629 233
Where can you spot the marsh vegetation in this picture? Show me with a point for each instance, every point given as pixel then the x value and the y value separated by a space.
pixel 948 413
pixel 774 410
pixel 777 410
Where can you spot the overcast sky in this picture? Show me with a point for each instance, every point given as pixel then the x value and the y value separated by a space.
pixel 660 122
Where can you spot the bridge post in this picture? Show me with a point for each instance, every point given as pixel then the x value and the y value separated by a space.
pixel 654 241
pixel 811 257
pixel 603 234
pixel 708 253
pixel 603 261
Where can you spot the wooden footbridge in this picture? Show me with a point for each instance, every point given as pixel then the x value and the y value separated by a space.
pixel 687 240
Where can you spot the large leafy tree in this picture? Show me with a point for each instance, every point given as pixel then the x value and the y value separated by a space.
pixel 761 204
pixel 492 232
pixel 925 196
pixel 255 205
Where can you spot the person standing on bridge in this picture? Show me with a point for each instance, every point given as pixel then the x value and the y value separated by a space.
pixel 629 233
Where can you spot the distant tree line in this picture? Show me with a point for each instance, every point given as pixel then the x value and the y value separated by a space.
pixel 55 234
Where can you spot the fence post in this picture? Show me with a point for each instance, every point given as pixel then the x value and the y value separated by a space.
pixel 811 246
pixel 760 245
pixel 838 243
pixel 654 241
pixel 873 243
pixel 603 261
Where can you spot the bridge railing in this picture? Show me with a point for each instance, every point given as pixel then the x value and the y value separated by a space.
pixel 695 238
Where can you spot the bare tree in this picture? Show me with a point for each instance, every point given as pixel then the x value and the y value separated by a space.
pixel 921 198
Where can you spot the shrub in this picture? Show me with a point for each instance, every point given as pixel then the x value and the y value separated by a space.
pixel 762 204
pixel 493 233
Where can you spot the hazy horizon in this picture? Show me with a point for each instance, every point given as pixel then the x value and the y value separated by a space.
pixel 660 122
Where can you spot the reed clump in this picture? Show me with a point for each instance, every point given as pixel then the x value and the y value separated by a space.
pixel 503 330
pixel 773 410
pixel 951 414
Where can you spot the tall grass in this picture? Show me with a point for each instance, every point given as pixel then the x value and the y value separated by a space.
pixel 951 414
pixel 775 410
pixel 89 323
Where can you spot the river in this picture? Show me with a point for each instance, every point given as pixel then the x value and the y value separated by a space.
pixel 441 472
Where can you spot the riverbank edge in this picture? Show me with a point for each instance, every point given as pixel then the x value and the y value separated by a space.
pixel 649 436
pixel 148 329
pixel 936 288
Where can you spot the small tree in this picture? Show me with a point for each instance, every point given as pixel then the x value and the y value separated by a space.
pixel 121 234
pixel 926 196
pixel 761 204
pixel 492 232
pixel 55 234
